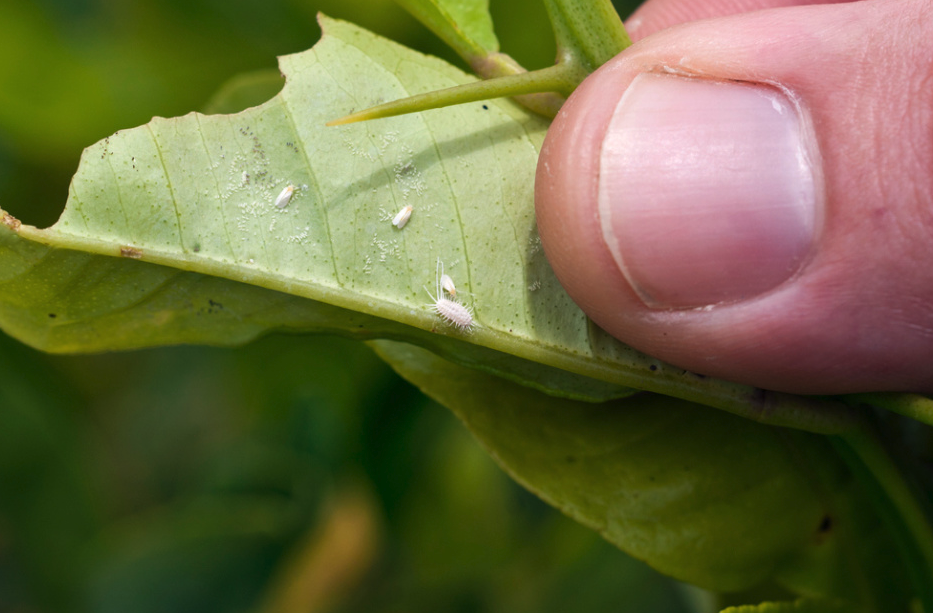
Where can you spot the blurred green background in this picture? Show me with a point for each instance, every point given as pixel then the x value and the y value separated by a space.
pixel 294 474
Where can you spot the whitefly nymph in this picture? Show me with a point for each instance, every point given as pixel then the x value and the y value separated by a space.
pixel 453 312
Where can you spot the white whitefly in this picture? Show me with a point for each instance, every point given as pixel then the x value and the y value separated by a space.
pixel 285 197
pixel 447 284
pixel 401 218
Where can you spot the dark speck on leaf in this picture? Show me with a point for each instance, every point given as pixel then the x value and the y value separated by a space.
pixel 826 525
pixel 52 315
pixel 653 367
pixel 485 108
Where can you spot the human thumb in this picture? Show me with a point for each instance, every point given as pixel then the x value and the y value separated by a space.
pixel 751 197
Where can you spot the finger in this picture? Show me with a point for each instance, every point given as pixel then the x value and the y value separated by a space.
pixel 656 15
pixel 750 197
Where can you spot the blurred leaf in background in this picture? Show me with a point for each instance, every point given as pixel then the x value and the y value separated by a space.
pixel 293 474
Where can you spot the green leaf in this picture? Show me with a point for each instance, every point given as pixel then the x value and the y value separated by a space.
pixel 67 301
pixel 166 221
pixel 172 234
pixel 707 498
pixel 465 25
pixel 197 194
pixel 803 605
pixel 588 32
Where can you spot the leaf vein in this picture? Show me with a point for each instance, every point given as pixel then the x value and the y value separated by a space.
pixel 168 180
pixel 315 185
pixel 223 212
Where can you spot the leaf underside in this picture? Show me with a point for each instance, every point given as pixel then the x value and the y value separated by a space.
pixel 165 221
pixel 701 495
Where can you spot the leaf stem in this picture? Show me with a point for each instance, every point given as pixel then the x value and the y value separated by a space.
pixel 557 78
pixel 589 32
pixel 495 65
pixel 913 406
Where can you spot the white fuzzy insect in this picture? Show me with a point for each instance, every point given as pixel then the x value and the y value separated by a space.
pixel 285 196
pixel 452 311
pixel 447 284
pixel 401 218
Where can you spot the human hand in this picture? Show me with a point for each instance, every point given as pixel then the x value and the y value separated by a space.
pixel 750 196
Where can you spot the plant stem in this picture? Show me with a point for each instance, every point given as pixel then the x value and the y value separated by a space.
pixel 589 32
pixel 913 406
pixel 557 78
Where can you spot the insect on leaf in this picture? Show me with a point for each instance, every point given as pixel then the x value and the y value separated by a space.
pixel 165 220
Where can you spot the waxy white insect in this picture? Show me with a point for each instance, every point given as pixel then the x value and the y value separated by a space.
pixel 285 196
pixel 401 218
pixel 447 284
pixel 452 311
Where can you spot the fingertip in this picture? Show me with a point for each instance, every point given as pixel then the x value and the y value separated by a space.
pixel 566 191
pixel 847 313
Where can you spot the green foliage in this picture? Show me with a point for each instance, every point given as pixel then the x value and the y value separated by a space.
pixel 672 483
pixel 141 195
pixel 193 479
pixel 234 497
pixel 588 34
pixel 332 244
pixel 107 461
pixel 799 606
pixel 465 25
